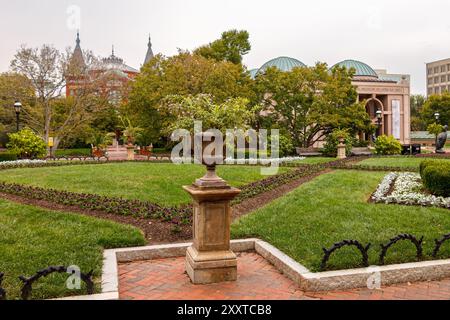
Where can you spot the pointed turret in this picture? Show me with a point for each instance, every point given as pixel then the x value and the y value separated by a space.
pixel 149 54
pixel 77 57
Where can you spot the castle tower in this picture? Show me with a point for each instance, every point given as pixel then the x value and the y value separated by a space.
pixel 149 54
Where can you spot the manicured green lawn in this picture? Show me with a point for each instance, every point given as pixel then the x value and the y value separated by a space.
pixel 334 207
pixel 157 182
pixel 32 239
pixel 315 160
pixel 408 162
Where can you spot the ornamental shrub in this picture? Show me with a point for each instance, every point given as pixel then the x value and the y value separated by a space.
pixel 436 179
pixel 26 144
pixel 332 141
pixel 387 145
pixel 436 176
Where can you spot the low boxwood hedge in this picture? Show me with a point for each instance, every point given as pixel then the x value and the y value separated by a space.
pixel 7 156
pixel 436 176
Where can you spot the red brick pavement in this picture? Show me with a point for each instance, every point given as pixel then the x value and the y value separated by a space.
pixel 165 279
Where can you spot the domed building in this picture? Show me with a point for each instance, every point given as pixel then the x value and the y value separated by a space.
pixel 386 95
pixel 387 98
pixel 283 63
pixel 111 74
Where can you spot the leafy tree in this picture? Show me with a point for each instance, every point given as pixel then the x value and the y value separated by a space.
pixel 184 110
pixel 52 115
pixel 26 144
pixel 309 103
pixel 13 87
pixel 417 102
pixel 437 103
pixel 232 46
pixel 186 75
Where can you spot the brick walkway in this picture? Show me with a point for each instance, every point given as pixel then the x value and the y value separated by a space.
pixel 164 279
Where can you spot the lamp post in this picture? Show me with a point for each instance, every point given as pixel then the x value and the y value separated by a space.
pixel 18 109
pixel 436 116
pixel 379 114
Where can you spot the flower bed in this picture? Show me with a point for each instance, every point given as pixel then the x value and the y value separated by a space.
pixel 407 188
pixel 21 164
pixel 136 208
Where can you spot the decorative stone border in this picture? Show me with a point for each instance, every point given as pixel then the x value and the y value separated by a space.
pixel 304 278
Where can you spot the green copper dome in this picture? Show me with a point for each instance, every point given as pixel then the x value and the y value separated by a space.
pixel 361 68
pixel 253 73
pixel 283 63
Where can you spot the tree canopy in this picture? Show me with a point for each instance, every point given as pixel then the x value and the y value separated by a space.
pixel 51 114
pixel 184 74
pixel 309 102
pixel 437 103
pixel 232 46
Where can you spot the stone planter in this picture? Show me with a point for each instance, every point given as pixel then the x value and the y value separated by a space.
pixel 341 152
pixel 130 153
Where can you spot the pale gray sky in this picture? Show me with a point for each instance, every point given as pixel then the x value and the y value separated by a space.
pixel 398 35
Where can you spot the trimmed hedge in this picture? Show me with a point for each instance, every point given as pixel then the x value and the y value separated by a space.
pixel 436 177
pixel 7 156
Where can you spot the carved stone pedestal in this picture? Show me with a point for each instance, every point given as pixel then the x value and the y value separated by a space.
pixel 209 259
pixel 341 152
pixel 130 153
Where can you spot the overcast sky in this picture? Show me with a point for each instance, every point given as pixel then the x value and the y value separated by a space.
pixel 398 35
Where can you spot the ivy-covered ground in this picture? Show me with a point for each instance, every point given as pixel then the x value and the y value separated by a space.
pixel 334 207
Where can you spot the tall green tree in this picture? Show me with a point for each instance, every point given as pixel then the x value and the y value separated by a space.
pixel 13 87
pixel 439 104
pixel 184 110
pixel 51 114
pixel 417 103
pixel 184 74
pixel 310 102
pixel 232 46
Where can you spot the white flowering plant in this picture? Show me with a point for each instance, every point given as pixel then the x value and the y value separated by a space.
pixel 407 188
pixel 20 163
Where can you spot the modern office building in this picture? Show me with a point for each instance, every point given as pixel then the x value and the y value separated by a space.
pixel 438 77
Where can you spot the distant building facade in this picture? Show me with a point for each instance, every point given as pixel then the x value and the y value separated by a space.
pixel 111 75
pixel 438 77
pixel 389 93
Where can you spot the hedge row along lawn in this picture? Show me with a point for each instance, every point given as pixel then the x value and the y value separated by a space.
pixel 32 239
pixel 334 207
pixel 159 183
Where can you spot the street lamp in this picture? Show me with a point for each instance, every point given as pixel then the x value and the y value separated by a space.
pixel 18 108
pixel 436 115
pixel 379 114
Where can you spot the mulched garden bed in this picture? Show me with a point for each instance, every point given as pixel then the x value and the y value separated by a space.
pixel 155 231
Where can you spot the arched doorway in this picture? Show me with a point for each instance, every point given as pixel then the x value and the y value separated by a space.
pixel 372 106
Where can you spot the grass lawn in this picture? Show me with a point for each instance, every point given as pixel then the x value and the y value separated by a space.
pixel 408 162
pixel 334 207
pixel 157 182
pixel 32 239
pixel 315 160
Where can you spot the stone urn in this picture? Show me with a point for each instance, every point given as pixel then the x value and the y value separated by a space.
pixel 130 152
pixel 341 152
pixel 210 259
